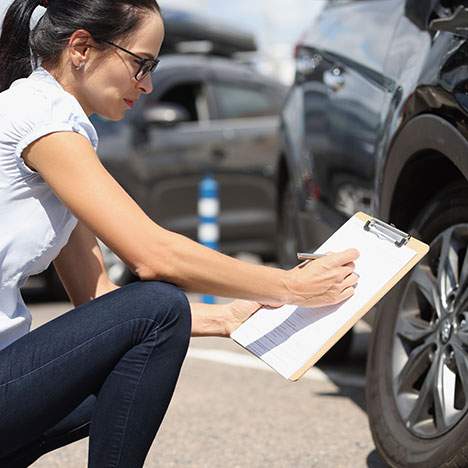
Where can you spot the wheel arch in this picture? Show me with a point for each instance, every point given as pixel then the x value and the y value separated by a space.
pixel 428 155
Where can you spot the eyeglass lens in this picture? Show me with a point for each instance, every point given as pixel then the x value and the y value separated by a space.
pixel 145 68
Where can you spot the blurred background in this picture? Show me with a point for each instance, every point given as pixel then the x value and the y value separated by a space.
pixel 276 26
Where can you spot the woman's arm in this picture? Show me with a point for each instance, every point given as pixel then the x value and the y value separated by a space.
pixel 81 269
pixel 70 166
pixel 220 319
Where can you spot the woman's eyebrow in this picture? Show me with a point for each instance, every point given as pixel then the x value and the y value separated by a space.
pixel 148 56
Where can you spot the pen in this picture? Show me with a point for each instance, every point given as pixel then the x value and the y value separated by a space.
pixel 309 256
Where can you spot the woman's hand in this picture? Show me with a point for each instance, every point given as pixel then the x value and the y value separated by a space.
pixel 238 312
pixel 325 281
pixel 328 280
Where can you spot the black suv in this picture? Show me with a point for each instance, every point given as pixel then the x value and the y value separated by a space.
pixel 377 120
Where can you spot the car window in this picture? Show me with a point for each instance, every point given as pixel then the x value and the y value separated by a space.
pixel 235 101
pixel 191 96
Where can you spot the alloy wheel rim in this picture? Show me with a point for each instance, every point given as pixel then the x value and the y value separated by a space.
pixel 430 343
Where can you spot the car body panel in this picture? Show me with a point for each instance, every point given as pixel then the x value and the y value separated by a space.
pixel 426 81
pixel 340 150
pixel 341 104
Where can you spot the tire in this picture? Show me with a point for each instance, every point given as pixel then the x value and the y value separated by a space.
pixel 117 270
pixel 55 290
pixel 413 346
pixel 118 273
pixel 287 239
pixel 288 242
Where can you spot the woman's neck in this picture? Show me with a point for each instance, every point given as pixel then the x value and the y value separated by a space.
pixel 69 83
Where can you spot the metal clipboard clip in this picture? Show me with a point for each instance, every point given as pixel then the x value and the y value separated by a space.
pixel 386 231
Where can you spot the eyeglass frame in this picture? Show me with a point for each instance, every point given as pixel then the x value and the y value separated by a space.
pixel 140 60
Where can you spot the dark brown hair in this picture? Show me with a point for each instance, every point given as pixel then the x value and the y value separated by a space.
pixel 105 20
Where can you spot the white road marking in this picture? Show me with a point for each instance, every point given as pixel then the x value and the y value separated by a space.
pixel 239 360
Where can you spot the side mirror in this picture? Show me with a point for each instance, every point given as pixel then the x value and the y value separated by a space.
pixel 420 11
pixel 165 114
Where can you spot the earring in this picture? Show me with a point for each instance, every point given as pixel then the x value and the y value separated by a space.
pixel 80 66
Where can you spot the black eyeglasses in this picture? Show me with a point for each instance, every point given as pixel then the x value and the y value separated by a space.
pixel 145 65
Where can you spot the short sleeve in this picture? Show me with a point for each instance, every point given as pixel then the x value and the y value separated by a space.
pixel 45 114
pixel 36 133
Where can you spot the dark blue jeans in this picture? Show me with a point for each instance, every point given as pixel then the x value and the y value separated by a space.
pixel 106 369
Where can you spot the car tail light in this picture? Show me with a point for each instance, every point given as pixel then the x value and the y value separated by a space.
pixel 312 188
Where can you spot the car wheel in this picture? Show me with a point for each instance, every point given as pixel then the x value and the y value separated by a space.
pixel 55 290
pixel 288 233
pixel 417 369
pixel 117 270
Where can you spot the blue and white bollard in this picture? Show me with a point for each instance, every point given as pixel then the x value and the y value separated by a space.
pixel 208 212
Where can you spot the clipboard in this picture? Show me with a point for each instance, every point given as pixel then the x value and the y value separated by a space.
pixel 291 339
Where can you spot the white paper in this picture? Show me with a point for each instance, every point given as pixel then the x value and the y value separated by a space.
pixel 287 337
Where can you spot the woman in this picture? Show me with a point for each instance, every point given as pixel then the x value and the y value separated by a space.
pixel 108 367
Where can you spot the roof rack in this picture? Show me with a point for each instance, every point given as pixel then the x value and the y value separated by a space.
pixel 190 33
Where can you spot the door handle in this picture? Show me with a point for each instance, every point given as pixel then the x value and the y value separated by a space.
pixel 334 79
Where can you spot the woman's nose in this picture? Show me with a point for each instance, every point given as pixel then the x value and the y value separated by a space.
pixel 146 84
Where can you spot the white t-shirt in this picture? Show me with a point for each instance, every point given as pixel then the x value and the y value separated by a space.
pixel 34 224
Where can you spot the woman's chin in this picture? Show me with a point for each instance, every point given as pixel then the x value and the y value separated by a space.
pixel 115 116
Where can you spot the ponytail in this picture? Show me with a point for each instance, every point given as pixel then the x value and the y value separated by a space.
pixel 105 20
pixel 15 55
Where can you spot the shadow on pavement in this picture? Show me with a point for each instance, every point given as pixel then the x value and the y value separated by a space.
pixel 374 461
pixel 354 365
pixel 349 375
pixel 352 393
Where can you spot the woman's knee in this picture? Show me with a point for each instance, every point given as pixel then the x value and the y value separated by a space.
pixel 165 303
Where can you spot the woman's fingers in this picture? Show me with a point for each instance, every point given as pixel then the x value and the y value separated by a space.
pixel 324 281
pixel 350 281
pixel 344 272
pixel 346 294
pixel 334 260
pixel 348 287
pixel 303 264
pixel 341 258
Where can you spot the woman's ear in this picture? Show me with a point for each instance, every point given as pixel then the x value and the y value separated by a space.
pixel 79 45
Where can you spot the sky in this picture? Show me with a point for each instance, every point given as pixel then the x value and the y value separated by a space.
pixel 277 24
pixel 271 20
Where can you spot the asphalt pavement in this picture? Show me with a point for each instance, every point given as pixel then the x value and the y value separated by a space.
pixel 231 411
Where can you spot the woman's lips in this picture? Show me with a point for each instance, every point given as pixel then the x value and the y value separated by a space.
pixel 129 103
